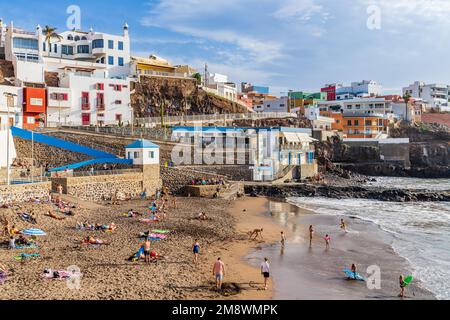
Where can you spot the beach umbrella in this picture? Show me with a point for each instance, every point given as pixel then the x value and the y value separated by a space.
pixel 33 232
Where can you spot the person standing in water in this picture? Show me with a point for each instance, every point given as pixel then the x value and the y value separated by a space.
pixel 354 270
pixel 343 226
pixel 311 234
pixel 327 242
pixel 402 286
pixel 265 271
pixel 283 239
pixel 196 250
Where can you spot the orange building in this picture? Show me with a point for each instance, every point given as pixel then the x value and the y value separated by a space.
pixel 358 124
pixel 34 107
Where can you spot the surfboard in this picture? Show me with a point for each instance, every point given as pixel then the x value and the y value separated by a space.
pixel 350 274
pixel 408 281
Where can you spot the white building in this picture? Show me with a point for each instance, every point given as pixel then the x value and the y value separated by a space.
pixel 437 95
pixel 92 70
pixel 10 100
pixel 276 105
pixel 365 88
pixel 368 105
pixel 87 97
pixel 218 84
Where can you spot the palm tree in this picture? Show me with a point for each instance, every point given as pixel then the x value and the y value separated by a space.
pixel 50 33
pixel 406 98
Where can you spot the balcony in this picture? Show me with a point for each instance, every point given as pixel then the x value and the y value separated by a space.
pixel 101 107
pixel 86 106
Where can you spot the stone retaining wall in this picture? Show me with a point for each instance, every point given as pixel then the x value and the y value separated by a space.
pixel 23 192
pixel 100 188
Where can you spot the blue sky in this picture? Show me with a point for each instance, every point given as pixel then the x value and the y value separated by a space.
pixel 286 44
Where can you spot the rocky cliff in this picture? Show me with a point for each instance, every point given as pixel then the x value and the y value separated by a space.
pixel 176 97
pixel 6 71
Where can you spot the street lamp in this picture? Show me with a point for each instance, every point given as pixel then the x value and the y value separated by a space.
pixel 8 164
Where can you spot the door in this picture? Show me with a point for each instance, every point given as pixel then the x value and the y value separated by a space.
pixel 86 119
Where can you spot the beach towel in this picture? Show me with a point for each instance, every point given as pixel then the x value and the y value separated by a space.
pixel 137 256
pixel 2 277
pixel 60 274
pixel 148 221
pixel 25 256
pixel 30 246
pixel 161 231
pixel 158 235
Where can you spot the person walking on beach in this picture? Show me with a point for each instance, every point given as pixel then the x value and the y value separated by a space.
pixel 196 250
pixel 283 239
pixel 327 242
pixel 147 250
pixel 402 287
pixel 219 273
pixel 265 271
pixel 311 234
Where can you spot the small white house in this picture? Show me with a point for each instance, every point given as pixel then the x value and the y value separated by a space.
pixel 143 152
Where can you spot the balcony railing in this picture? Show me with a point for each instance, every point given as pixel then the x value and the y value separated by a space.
pixel 86 107
pixel 101 107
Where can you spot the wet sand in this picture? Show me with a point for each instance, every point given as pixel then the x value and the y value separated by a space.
pixel 305 274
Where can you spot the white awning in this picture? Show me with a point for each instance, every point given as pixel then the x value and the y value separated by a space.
pixel 291 137
pixel 304 137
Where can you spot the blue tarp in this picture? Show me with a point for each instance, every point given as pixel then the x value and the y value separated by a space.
pixel 59 143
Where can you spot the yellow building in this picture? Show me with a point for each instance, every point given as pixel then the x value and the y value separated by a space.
pixel 152 65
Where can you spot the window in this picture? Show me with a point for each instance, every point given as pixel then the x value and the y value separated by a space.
pixel 70 37
pixel 31 120
pixel 67 50
pixel 110 44
pixel 100 86
pixel 356 122
pixel 121 45
pixel 129 155
pixel 83 38
pixel 151 154
pixel 84 49
pixel 44 46
pixel 349 122
pixel 368 122
pixel 111 60
pixel 118 102
pixel 136 155
pixel 77 38
pixel 24 43
pixel 36 102
pixel 97 44
pixel 121 61
pixel 55 48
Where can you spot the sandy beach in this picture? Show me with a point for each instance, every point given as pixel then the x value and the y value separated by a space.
pixel 298 272
pixel 107 274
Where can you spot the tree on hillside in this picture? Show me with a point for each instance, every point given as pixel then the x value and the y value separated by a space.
pixel 197 76
pixel 50 33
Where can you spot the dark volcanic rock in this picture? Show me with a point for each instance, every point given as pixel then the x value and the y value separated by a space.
pixel 307 190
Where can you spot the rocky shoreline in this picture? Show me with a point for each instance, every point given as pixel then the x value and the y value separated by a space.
pixel 345 192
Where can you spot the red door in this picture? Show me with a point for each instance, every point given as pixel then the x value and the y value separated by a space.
pixel 86 119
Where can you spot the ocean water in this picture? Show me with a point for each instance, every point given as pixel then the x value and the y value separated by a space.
pixel 421 231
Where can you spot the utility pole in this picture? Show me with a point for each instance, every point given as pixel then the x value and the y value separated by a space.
pixel 8 131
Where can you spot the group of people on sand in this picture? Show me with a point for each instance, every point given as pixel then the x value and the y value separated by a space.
pixel 87 226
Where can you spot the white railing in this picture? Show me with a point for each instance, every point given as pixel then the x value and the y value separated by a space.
pixel 216 117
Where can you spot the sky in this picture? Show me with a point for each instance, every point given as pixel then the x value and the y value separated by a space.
pixel 284 44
